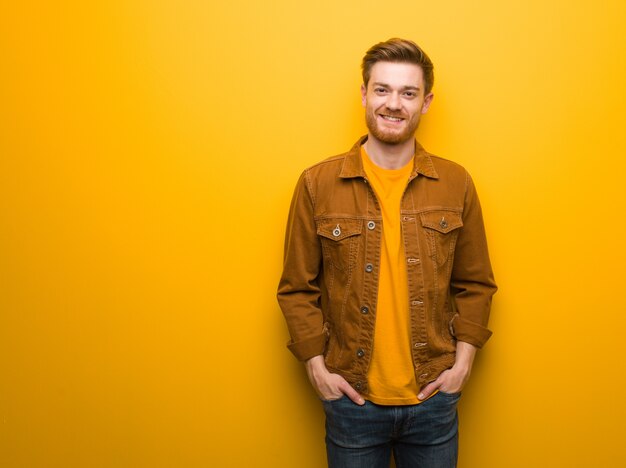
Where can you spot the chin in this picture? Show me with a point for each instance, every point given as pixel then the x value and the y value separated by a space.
pixel 391 139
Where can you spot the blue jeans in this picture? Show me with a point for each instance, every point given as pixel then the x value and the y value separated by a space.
pixel 420 436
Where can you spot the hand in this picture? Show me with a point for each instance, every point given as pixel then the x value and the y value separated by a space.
pixel 330 386
pixel 454 379
pixel 449 381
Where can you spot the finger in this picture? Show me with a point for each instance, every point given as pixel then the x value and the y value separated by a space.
pixel 331 396
pixel 352 393
pixel 428 390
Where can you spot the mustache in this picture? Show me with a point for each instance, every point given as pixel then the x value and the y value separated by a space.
pixel 393 113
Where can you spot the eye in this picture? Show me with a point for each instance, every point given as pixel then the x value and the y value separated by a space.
pixel 380 90
pixel 410 94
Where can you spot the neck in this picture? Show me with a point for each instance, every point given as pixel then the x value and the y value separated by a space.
pixel 387 155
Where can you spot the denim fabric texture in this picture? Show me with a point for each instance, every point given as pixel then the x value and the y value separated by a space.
pixel 419 436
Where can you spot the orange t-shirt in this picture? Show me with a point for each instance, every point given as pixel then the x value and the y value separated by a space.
pixel 391 376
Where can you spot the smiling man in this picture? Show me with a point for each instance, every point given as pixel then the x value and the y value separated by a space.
pixel 387 283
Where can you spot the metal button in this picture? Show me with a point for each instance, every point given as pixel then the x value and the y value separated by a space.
pixel 365 310
pixel 360 352
pixel 358 385
pixel 371 225
pixel 443 223
pixel 337 231
pixel 369 267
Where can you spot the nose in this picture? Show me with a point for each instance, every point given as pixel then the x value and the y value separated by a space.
pixel 393 101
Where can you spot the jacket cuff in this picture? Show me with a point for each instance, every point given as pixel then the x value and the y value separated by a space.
pixel 469 332
pixel 306 349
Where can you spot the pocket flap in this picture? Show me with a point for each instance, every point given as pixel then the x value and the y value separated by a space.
pixel 442 221
pixel 339 228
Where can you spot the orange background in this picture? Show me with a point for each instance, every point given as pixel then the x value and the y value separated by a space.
pixel 148 152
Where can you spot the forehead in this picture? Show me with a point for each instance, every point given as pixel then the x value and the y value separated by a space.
pixel 397 74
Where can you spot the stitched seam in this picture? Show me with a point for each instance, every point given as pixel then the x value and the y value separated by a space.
pixel 445 325
pixel 467 177
pixel 433 244
pixel 345 295
pixel 428 209
pixel 325 217
pixel 309 186
pixel 331 282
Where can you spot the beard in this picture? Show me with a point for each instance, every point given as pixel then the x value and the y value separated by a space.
pixel 388 136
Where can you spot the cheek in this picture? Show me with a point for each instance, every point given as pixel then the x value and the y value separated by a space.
pixel 370 109
pixel 416 112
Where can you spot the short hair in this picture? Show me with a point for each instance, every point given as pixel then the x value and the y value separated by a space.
pixel 399 50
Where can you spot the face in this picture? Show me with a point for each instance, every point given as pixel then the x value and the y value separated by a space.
pixel 394 101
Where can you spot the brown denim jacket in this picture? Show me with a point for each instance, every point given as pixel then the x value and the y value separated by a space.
pixel 329 285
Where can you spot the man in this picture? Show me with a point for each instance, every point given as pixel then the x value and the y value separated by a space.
pixel 387 283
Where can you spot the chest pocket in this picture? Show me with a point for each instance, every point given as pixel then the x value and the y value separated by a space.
pixel 442 230
pixel 339 238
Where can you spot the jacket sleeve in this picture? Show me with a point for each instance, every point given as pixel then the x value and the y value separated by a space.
pixel 472 281
pixel 299 293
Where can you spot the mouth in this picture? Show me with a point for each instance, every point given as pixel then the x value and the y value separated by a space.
pixel 391 118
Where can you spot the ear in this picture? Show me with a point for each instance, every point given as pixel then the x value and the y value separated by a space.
pixel 427 101
pixel 363 95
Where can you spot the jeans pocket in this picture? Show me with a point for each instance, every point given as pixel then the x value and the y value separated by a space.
pixel 333 400
pixel 450 396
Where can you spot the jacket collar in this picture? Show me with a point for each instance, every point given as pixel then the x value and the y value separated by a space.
pixel 353 166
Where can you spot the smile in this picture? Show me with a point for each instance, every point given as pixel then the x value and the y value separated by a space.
pixel 390 118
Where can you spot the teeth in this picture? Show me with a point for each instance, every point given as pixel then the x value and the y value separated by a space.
pixel 393 119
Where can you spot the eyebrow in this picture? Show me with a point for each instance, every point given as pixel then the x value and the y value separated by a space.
pixel 404 88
